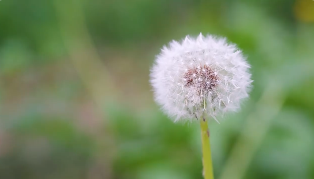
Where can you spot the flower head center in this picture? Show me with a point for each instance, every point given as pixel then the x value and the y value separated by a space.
pixel 202 78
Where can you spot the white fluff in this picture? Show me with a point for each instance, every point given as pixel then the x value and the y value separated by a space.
pixel 200 76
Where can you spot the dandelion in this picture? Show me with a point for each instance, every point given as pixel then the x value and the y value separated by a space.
pixel 200 78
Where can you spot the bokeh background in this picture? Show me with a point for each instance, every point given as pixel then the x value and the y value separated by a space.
pixel 76 103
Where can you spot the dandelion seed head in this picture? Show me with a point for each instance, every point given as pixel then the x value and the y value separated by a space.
pixel 203 75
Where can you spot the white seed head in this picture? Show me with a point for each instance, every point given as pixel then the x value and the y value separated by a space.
pixel 200 76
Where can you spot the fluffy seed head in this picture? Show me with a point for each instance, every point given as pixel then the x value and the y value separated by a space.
pixel 200 76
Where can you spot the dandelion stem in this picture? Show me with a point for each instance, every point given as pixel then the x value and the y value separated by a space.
pixel 207 159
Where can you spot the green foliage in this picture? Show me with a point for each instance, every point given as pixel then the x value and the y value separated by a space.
pixel 51 125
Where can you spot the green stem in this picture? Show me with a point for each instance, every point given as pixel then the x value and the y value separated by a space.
pixel 207 158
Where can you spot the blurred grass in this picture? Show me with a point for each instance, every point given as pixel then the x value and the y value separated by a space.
pixel 75 101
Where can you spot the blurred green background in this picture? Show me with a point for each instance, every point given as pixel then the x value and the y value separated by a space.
pixel 76 103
